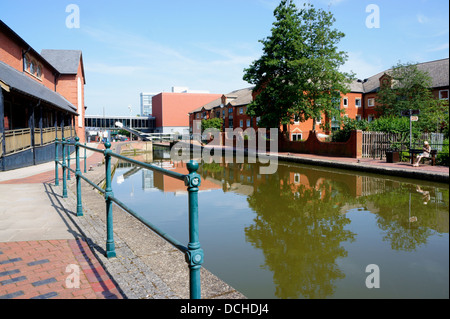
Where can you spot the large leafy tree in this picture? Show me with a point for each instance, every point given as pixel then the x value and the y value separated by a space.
pixel 298 72
pixel 406 87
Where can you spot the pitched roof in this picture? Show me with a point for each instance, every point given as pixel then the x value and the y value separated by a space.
pixel 65 61
pixel 20 82
pixel 242 97
pixel 438 70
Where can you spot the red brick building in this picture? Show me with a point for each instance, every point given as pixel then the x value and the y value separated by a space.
pixel 171 110
pixel 41 98
pixel 358 104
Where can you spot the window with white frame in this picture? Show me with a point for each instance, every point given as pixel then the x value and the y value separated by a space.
pixel 296 137
pixel 345 102
pixel 296 178
pixel 371 102
pixel 358 102
pixel 296 119
pixel 370 118
pixel 443 95
pixel 241 110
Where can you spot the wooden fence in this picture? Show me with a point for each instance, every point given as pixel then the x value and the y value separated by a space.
pixel 20 140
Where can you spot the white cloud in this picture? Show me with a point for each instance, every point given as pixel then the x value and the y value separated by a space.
pixel 142 64
pixel 363 66
pixel 441 47
pixel 422 19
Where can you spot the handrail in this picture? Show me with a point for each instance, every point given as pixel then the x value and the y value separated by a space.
pixel 193 252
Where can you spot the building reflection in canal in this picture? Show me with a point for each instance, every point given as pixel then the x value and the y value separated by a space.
pixel 309 232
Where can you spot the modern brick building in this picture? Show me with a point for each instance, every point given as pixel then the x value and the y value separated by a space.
pixel 171 110
pixel 41 98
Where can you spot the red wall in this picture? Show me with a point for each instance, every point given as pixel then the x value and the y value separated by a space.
pixel 171 109
pixel 313 145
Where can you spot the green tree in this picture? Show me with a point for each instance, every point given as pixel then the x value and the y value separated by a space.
pixel 408 88
pixel 215 123
pixel 298 72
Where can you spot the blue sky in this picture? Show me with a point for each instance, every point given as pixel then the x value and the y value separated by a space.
pixel 149 46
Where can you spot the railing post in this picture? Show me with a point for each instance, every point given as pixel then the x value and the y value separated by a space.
pixel 194 255
pixel 68 160
pixel 85 157
pixel 78 178
pixel 56 163
pixel 64 168
pixel 110 249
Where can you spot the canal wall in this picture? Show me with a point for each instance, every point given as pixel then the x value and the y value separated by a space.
pixel 146 266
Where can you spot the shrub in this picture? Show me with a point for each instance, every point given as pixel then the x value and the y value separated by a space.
pixel 442 157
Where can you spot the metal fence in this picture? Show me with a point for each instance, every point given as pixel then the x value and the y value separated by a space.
pixel 375 144
pixel 193 252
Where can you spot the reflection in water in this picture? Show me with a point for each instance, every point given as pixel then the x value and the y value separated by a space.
pixel 312 227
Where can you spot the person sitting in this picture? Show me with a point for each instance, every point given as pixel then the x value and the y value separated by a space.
pixel 425 153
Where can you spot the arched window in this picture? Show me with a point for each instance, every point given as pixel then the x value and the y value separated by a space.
pixel 32 67
pixel 25 63
pixel 39 71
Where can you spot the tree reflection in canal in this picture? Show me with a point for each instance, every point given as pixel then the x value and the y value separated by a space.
pixel 301 220
pixel 300 229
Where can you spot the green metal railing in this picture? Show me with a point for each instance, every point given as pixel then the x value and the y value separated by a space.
pixel 193 252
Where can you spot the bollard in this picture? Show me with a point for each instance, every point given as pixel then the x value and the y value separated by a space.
pixel 56 163
pixel 78 178
pixel 194 255
pixel 110 249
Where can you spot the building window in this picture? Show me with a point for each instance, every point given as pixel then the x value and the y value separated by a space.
pixel 345 102
pixel 358 117
pixel 296 137
pixel 198 115
pixel 296 178
pixel 241 110
pixel 230 110
pixel 248 123
pixel 32 67
pixel 241 123
pixel 230 123
pixel 370 118
pixel 296 119
pixel 371 102
pixel 443 95
pixel 358 102
pixel 25 63
pixel 39 72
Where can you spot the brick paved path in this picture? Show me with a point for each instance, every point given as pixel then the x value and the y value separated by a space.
pixel 53 269
pixel 58 269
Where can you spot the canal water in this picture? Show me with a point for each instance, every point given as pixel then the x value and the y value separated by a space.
pixel 305 232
